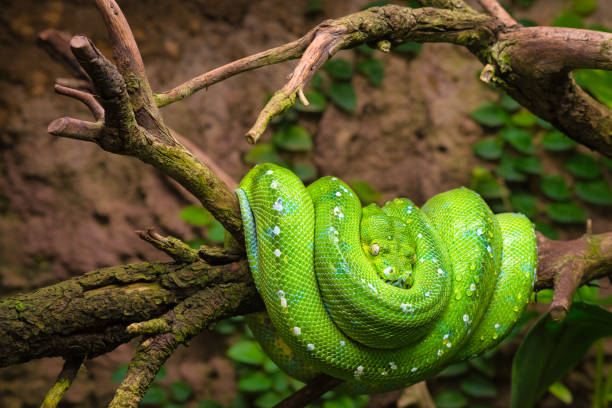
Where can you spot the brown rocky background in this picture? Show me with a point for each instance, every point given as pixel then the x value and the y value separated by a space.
pixel 67 207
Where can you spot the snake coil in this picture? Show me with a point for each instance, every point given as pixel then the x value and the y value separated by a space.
pixel 382 297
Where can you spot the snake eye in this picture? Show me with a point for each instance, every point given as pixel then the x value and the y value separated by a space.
pixel 374 249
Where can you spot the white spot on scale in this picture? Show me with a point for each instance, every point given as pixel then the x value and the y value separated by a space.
pixel 297 331
pixel 334 178
pixel 420 235
pixel 466 318
pixel 434 260
pixel 489 249
pixel 342 343
pixel 440 352
pixel 472 287
pixel 310 346
pixel 479 231
pixel 388 270
pixel 283 302
pixel 274 184
pixel 276 230
pixel 497 325
pixel 440 271
pixel 428 293
pixel 281 294
pixel 278 205
pixel 269 172
pixel 338 193
pixel 413 369
pixel 392 365
pixel 277 252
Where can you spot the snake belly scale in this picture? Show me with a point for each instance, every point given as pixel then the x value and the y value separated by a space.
pixel 381 297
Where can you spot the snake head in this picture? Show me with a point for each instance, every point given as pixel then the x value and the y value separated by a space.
pixel 388 246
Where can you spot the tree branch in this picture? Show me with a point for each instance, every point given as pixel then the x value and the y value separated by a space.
pixel 494 8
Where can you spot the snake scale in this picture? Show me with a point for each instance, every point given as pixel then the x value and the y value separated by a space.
pixel 381 297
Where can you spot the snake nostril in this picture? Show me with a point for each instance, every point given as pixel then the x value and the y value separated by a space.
pixel 374 249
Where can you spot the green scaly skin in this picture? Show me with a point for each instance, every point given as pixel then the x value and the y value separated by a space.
pixel 380 297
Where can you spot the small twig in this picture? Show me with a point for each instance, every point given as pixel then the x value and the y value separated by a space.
pixel 177 326
pixel 310 392
pixel 275 55
pixel 417 393
pixel 75 129
pixel 63 382
pixel 323 46
pixel 175 248
pixel 495 9
pixel 149 357
pixel 88 100
pixel 218 256
pixel 56 44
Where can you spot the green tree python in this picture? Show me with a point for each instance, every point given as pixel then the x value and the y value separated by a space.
pixel 381 297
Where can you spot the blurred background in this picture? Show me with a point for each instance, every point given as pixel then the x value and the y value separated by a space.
pixel 410 123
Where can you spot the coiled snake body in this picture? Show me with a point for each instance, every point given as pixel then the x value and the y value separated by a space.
pixel 380 297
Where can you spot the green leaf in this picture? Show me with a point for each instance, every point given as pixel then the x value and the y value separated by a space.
pixel 520 139
pixel 566 213
pixel 524 3
pixel 557 141
pixel 544 124
pixel 248 352
pixel 270 366
pixel 561 392
pixel 527 22
pixel 524 203
pixel 339 68
pixel 119 373
pixel 255 382
pixel 555 188
pixel 408 47
pixel 551 349
pixel 263 153
pixel 208 403
pixel 216 232
pixel 279 382
pixel 317 102
pixel 226 327
pixel 529 164
pixel 524 118
pixel 365 49
pixel 595 192
pixel 196 215
pixel 583 165
pixel 293 138
pixel 508 171
pixel 451 399
pixel 161 374
pixel 454 370
pixel 317 81
pixel 483 182
pixel 607 162
pixel 366 193
pixel 377 3
pixel 508 103
pixel 484 365
pixel 314 7
pixel 343 95
pixel 373 69
pixel 584 7
pixel 489 148
pixel 155 395
pixel 196 243
pixel 597 82
pixel 568 19
pixel 268 400
pixel 339 401
pixel 479 387
pixel 181 391
pixel 305 172
pixel 490 114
